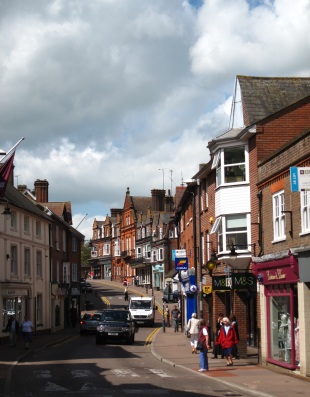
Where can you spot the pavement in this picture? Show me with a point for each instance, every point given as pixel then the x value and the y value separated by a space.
pixel 246 376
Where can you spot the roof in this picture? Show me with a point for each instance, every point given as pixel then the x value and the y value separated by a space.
pixel 141 203
pixel 17 199
pixel 264 96
pixel 61 209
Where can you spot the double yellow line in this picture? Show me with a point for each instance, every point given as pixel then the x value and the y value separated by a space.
pixel 150 337
pixel 106 300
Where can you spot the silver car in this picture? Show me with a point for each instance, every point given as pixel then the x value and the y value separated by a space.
pixel 89 322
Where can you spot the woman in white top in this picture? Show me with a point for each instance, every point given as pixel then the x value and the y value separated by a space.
pixel 193 329
pixel 27 328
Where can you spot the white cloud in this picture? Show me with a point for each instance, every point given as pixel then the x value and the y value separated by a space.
pixel 107 93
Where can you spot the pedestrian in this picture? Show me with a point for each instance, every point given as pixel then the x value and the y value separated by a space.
pixel 204 339
pixel 73 316
pixel 13 328
pixel 175 317
pixel 167 316
pixel 217 349
pixel 234 323
pixel 227 339
pixel 126 294
pixel 27 329
pixel 193 329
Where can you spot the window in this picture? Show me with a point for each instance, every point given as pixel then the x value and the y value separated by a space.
pixel 216 225
pixel 66 273
pixel 278 216
pixel 232 230
pixel 154 256
pixel 38 229
pixel 116 248
pixel 26 224
pixel 27 267
pixel 147 251
pixel 39 263
pixel 57 238
pixel 106 249
pixel 39 309
pixel 305 211
pixel 139 255
pixel 64 241
pixel 160 254
pixel 74 272
pixel 230 164
pixel 14 269
pixel 74 244
pixel 14 220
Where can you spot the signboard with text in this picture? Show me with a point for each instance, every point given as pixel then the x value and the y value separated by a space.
pixel 300 178
pixel 181 263
pixel 239 281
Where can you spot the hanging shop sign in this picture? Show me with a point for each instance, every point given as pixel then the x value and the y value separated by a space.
pixel 238 281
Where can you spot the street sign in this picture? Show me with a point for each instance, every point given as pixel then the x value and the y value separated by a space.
pixel 180 253
pixel 181 263
pixel 206 289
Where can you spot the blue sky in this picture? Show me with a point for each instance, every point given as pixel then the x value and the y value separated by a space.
pixel 107 94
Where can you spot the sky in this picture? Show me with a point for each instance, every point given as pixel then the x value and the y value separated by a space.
pixel 111 94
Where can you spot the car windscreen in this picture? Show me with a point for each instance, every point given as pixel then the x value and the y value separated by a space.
pixel 116 316
pixel 140 305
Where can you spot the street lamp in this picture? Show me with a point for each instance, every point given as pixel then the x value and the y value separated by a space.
pixel 212 263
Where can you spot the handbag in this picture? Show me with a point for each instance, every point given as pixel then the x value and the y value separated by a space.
pixel 199 346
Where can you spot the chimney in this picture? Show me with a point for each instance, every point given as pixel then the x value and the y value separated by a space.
pixel 158 197
pixel 169 204
pixel 115 212
pixel 41 191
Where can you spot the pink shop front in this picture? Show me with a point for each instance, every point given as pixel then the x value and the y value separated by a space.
pixel 279 278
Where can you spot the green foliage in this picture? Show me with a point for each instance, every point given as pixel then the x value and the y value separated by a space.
pixel 85 254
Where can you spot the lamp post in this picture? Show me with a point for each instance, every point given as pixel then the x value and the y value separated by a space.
pixel 212 263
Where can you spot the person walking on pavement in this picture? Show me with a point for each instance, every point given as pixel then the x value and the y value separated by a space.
pixel 167 316
pixel 27 328
pixel 233 321
pixel 175 316
pixel 126 294
pixel 13 328
pixel 204 339
pixel 227 339
pixel 217 349
pixel 193 329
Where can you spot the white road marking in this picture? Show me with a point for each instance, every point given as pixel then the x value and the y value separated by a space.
pixel 50 386
pixel 43 374
pixel 80 373
pixel 125 372
pixel 161 373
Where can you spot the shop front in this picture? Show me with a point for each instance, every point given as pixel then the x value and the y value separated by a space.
pixel 279 279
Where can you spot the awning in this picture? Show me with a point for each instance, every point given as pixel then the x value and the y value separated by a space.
pixel 140 265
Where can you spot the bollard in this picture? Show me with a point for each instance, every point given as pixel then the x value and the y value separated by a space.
pixel 164 325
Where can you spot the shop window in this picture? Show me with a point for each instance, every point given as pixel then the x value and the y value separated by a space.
pixel 282 326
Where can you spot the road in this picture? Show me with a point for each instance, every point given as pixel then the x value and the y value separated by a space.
pixel 80 367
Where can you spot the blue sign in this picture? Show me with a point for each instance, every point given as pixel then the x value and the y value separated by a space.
pixel 181 263
pixel 294 179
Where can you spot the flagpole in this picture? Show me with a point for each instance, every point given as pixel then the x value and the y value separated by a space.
pixel 8 153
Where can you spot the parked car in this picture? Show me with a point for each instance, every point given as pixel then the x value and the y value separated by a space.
pixel 89 322
pixel 115 325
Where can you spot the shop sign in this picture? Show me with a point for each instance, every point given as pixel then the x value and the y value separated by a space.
pixel 17 292
pixel 181 263
pixel 238 281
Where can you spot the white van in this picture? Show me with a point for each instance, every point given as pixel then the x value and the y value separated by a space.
pixel 142 309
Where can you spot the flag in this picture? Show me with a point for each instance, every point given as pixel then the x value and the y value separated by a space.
pixel 5 171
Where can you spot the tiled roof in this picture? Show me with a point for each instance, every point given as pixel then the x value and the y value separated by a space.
pixel 141 203
pixel 61 209
pixel 18 200
pixel 264 96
